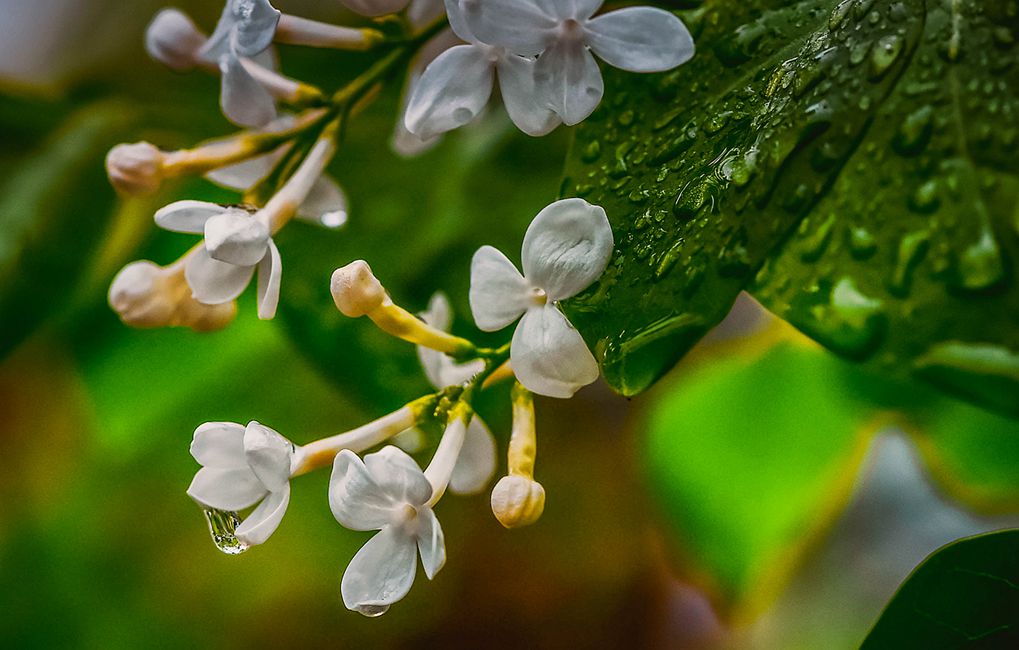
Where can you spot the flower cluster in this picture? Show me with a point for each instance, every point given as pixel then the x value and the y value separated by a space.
pixel 540 53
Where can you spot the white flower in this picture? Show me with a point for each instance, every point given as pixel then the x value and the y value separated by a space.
pixel 562 33
pixel 242 466
pixel 477 460
pixel 389 493
pixel 173 39
pixel 566 248
pixel 457 85
pixel 245 31
pixel 236 243
pixel 375 7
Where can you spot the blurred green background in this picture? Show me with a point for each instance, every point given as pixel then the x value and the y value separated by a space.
pixel 745 502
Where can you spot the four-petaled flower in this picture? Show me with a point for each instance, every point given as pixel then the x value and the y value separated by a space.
pixel 456 86
pixel 245 31
pixel 236 243
pixel 562 33
pixel 476 463
pixel 389 493
pixel 566 248
pixel 242 466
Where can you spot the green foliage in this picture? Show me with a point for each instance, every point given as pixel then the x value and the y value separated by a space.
pixel 966 595
pixel 752 458
pixel 843 161
pixel 55 210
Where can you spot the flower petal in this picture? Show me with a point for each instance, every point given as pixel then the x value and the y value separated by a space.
pixel 173 39
pixel 431 542
pixel 213 282
pixel 265 519
pixel 422 13
pixel 499 294
pixel 268 454
pixel 522 98
pixel 476 463
pixel 549 356
pixel 567 247
pixel 439 313
pixel 325 205
pixel 226 488
pixel 381 573
pixel 640 39
pixel 356 500
pixel 219 444
pixel 236 237
pixel 569 80
pixel 270 272
pixel 244 101
pixel 457 21
pixel 403 141
pixel 451 92
pixel 244 175
pixel 255 26
pixel 524 27
pixel 187 216
pixel 398 475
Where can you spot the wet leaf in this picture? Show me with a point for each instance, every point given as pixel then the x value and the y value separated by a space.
pixel 840 159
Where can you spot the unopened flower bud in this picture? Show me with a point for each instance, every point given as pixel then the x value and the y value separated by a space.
pixel 139 295
pixel 135 169
pixel 517 501
pixel 173 39
pixel 356 291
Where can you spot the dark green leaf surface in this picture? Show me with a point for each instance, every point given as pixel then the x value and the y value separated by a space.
pixel 844 154
pixel 966 595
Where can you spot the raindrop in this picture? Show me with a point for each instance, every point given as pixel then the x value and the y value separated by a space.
pixel 884 54
pixel 222 527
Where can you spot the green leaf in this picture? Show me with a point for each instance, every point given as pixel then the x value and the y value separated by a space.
pixel 54 213
pixel 841 160
pixel 753 456
pixel 965 595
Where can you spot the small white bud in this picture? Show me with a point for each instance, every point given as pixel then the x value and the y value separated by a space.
pixel 141 296
pixel 173 39
pixel 135 169
pixel 517 501
pixel 356 291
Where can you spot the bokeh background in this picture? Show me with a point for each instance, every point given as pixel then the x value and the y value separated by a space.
pixel 761 497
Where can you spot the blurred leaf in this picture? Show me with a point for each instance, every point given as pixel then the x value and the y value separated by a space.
pixel 871 118
pixel 54 213
pixel 750 458
pixel 753 458
pixel 417 224
pixel 965 595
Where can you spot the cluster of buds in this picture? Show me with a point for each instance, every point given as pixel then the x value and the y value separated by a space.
pixel 455 51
